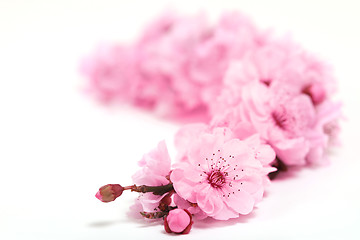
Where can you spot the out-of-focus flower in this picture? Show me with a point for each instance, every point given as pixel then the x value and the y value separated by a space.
pixel 183 58
pixel 109 192
pixel 283 93
pixel 178 221
pixel 112 73
pixel 281 118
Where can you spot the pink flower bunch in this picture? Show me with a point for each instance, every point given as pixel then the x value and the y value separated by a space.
pixel 216 176
pixel 283 94
pixel 176 67
pixel 268 99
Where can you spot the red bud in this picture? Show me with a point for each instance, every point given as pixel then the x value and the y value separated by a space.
pixel 109 192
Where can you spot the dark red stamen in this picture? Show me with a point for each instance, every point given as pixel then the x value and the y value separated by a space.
pixel 216 179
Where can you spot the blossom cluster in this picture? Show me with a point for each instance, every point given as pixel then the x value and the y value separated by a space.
pixel 216 175
pixel 267 103
pixel 183 58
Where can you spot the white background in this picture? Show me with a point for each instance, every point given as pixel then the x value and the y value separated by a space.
pixel 57 145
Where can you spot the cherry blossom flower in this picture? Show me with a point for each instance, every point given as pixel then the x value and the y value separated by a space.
pixel 221 176
pixel 277 61
pixel 288 121
pixel 183 58
pixel 283 93
pixel 281 118
pixel 155 172
pixel 111 72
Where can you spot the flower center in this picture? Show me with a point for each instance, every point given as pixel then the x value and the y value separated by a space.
pixel 280 119
pixel 216 179
pixel 266 81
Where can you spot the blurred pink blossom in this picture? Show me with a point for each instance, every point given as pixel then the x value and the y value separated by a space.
pixel 176 67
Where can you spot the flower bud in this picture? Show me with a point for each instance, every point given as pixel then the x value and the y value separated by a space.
pixel 109 192
pixel 178 221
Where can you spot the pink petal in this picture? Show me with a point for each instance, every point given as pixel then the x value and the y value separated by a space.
pixel 241 202
pixel 182 185
pixel 292 151
pixel 209 201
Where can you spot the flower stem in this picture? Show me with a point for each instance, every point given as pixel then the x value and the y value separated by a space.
pixel 153 215
pixel 156 190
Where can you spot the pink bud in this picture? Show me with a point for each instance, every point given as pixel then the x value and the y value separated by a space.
pixel 109 192
pixel 178 221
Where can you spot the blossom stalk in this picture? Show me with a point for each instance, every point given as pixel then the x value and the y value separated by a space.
pixel 110 192
pixel 156 190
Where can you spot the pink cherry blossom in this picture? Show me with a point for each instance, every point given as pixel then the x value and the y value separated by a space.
pixel 220 175
pixel 282 118
pixel 289 122
pixel 155 172
pixel 279 91
pixel 163 59
pixel 277 61
pixel 111 72
pixel 183 58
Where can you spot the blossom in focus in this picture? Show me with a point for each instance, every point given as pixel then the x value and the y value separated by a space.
pixel 109 192
pixel 154 172
pixel 178 221
pixel 220 175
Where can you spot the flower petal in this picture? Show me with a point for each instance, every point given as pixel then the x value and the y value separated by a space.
pixel 241 202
